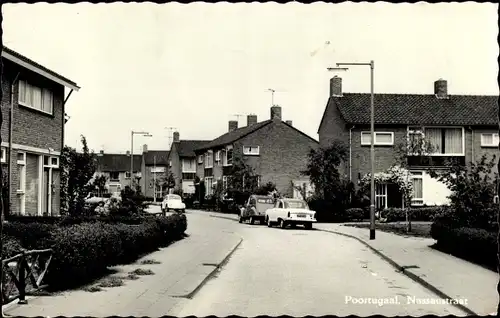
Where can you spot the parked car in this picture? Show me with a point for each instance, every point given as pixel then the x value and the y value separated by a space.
pixel 290 212
pixel 173 202
pixel 255 208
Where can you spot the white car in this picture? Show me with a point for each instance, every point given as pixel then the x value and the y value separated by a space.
pixel 290 212
pixel 173 202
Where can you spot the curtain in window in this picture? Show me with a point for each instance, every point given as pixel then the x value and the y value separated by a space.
pixel 366 138
pixel 383 138
pixel 22 91
pixel 29 94
pixel 453 141
pixel 418 188
pixel 37 97
pixel 488 139
pixel 47 101
pixel 434 137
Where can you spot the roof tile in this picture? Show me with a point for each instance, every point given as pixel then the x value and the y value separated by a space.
pixel 117 162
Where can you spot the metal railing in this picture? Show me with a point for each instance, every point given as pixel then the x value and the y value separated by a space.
pixel 24 273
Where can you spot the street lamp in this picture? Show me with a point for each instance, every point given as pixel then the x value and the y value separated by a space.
pixel 372 132
pixel 132 134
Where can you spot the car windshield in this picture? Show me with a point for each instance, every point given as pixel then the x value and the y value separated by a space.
pixel 173 197
pixel 295 205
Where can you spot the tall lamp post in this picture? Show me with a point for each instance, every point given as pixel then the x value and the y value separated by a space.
pixel 132 134
pixel 372 132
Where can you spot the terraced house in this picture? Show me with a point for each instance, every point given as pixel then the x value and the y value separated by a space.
pixel 33 110
pixel 182 160
pixel 116 168
pixel 275 149
pixel 463 127
pixel 154 169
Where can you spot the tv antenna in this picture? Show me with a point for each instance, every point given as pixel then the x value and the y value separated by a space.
pixel 238 116
pixel 272 94
pixel 170 129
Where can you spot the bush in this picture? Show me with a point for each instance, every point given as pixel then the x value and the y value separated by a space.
pixel 11 246
pixel 416 214
pixel 354 214
pixel 85 247
pixel 326 211
pixel 475 245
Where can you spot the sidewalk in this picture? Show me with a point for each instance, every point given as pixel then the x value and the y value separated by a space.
pixel 184 267
pixel 446 275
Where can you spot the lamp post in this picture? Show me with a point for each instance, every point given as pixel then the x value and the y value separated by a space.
pixel 132 134
pixel 372 133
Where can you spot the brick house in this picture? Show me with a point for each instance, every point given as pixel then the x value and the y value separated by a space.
pixel 154 166
pixel 463 127
pixel 33 110
pixel 275 149
pixel 116 168
pixel 182 159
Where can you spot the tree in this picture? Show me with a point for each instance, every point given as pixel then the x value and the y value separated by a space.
pixel 77 169
pixel 242 181
pixel 415 146
pixel 99 184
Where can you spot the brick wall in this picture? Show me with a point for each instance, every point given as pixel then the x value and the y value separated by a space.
pixel 283 154
pixel 31 127
pixel 176 168
pixel 148 178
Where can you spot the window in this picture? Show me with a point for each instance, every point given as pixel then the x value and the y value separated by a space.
pixel 4 155
pixel 21 184
pixel 418 188
pixel 224 182
pixel 35 97
pixel 21 158
pixel 188 165
pixel 51 162
pixel 381 196
pixel 157 169
pixel 188 176
pixel 114 176
pixel 217 156
pixel 447 141
pixel 251 150
pixel 381 138
pixel 228 156
pixel 200 159
pixel 209 160
pixel 489 140
pixel 127 174
pixel 170 163
pixel 209 185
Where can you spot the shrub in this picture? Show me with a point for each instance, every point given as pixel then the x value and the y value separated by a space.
pixel 416 214
pixel 11 246
pixel 31 235
pixel 476 245
pixel 354 214
pixel 326 210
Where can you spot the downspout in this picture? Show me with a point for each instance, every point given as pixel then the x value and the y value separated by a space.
pixel 11 128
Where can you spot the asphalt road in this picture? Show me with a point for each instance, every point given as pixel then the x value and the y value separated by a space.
pixel 298 272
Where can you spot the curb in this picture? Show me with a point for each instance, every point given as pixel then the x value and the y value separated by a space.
pixel 217 267
pixel 402 269
pixel 223 217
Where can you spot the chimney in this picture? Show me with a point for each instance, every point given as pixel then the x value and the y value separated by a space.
pixel 144 148
pixel 289 122
pixel 233 125
pixel 251 119
pixel 276 112
pixel 176 136
pixel 441 88
pixel 101 153
pixel 128 152
pixel 336 86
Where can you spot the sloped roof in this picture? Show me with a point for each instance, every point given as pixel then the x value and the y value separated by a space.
pixel 414 109
pixel 186 148
pixel 6 52
pixel 234 135
pixel 161 157
pixel 117 162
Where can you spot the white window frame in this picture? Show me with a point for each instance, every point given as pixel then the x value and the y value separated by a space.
pixel 422 132
pixel 21 192
pixel 200 159
pixel 224 182
pixel 226 164
pixel 4 155
pixel 49 160
pixel 495 140
pixel 209 187
pixel 21 161
pixel 391 143
pixel 127 175
pixel 111 180
pixel 209 159
pixel 217 155
pixel 186 170
pixel 247 150
pixel 417 201
pixel 379 195
pixel 44 91
pixel 157 169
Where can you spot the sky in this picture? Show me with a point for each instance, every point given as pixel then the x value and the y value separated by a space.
pixel 146 67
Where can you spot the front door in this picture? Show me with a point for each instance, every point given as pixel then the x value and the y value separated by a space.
pixel 46 191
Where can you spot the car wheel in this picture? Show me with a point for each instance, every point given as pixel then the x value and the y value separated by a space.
pixel 268 221
pixel 240 220
pixel 292 225
pixel 282 224
pixel 308 226
pixel 252 221
pixel 168 210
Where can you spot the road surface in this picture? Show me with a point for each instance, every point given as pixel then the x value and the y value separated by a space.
pixel 298 272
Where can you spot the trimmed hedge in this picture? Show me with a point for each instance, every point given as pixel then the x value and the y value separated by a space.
pixel 355 214
pixel 85 249
pixel 416 214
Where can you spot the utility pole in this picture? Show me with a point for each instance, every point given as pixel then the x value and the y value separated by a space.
pixel 154 179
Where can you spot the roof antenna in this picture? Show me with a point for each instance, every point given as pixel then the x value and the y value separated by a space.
pixel 272 94
pixel 238 117
pixel 170 129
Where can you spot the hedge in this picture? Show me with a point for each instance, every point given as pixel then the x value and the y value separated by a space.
pixel 416 214
pixel 83 251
